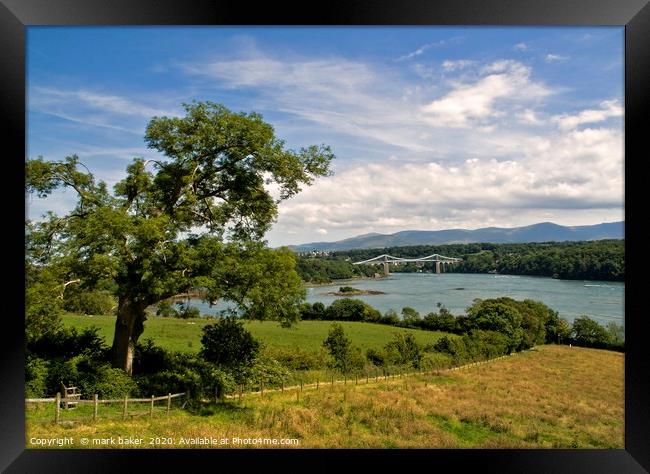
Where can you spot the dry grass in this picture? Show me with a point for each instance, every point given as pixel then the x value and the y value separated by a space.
pixel 552 397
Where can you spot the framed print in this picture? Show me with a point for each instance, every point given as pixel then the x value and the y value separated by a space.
pixel 363 232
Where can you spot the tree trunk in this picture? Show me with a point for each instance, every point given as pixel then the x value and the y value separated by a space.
pixel 128 327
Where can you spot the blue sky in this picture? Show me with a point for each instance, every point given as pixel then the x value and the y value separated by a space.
pixel 433 128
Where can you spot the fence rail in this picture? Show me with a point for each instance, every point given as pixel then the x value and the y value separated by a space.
pixel 96 401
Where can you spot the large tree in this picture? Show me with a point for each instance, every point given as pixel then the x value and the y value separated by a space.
pixel 210 180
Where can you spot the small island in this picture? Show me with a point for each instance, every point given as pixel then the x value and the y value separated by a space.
pixel 350 291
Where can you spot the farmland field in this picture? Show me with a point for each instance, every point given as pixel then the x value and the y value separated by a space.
pixel 548 397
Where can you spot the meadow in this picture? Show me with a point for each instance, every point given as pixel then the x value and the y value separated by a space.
pixel 548 397
pixel 185 334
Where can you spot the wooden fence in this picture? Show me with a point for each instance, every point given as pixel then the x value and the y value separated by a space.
pixel 96 401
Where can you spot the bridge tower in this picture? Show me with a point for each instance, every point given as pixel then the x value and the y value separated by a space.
pixel 437 266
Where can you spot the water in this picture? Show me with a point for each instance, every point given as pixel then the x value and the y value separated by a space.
pixel 600 300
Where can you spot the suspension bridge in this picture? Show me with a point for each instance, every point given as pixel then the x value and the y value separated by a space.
pixel 442 262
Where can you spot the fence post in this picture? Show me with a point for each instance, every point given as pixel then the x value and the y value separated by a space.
pixel 151 408
pixel 262 388
pixel 367 376
pixel 169 402
pixel 57 407
pixel 240 390
pixel 282 386
pixel 96 404
pixel 126 401
pixel 317 383
pixel 301 384
pixel 356 379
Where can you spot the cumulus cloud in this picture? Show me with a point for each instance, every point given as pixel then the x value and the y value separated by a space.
pixel 568 174
pixel 521 47
pixel 466 103
pixel 608 109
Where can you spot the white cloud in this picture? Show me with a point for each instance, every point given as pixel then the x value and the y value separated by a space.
pixel 574 175
pixel 529 116
pixel 551 58
pixel 521 46
pixel 449 65
pixel 504 80
pixel 417 52
pixel 608 109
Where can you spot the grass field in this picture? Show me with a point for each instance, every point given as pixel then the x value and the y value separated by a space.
pixel 550 397
pixel 185 334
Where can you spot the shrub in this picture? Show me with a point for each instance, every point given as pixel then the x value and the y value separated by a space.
pixel 345 357
pixel 227 343
pixel 68 342
pixel 166 310
pixel 493 315
pixel 36 378
pixel 187 312
pixel 404 350
pixel 298 359
pixel 588 333
pixel 376 357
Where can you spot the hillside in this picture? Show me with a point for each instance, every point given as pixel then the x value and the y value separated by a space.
pixel 543 232
pixel 543 398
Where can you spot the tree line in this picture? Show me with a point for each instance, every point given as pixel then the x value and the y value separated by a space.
pixel 584 260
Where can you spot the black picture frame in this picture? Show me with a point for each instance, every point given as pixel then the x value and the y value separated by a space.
pixel 16 15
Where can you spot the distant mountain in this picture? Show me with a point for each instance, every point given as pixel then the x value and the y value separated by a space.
pixel 543 232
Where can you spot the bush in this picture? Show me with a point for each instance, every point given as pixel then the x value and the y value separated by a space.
pixel 404 350
pixel 345 357
pixel 495 315
pixel 166 310
pixel 227 343
pixel 588 333
pixel 187 312
pixel 376 358
pixel 68 342
pixel 298 359
pixel 36 375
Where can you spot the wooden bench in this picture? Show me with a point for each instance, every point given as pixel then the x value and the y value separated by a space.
pixel 70 396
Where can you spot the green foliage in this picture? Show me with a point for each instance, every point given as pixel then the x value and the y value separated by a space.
pixel 410 315
pixel 217 163
pixel 324 270
pixel 165 309
pixel 591 260
pixel 297 358
pixel 36 376
pixel 186 311
pixel 89 301
pixel 345 357
pixel 347 289
pixel 42 308
pixel 349 309
pixel 269 371
pixel 588 333
pixel 404 350
pixel 616 334
pixel 558 330
pixel 376 357
pixel 67 342
pixel 312 311
pixel 495 315
pixel 227 343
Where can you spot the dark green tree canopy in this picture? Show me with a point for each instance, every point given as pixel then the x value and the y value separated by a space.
pixel 211 178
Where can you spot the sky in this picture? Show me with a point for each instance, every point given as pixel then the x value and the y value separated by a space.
pixel 432 127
